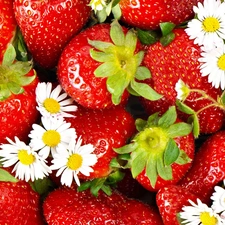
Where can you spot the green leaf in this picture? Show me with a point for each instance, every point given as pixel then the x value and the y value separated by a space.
pixel 145 91
pixel 166 28
pixel 139 160
pixel 168 118
pixel 42 186
pixel 15 88
pixel 151 171
pixel 6 176
pixel 142 73
pixel 116 85
pixel 100 45
pixel 117 34
pixel 166 40
pixel 165 172
pixel 147 37
pixel 21 68
pixel 101 15
pixel 9 56
pixel 106 69
pixel 101 56
pixel 114 163
pixel 140 124
pixel 171 152
pixel 195 124
pixel 84 186
pixel 125 156
pixel 26 80
pixel 184 108
pixel 183 158
pixel 131 40
pixel 116 11
pixel 4 93
pixel 115 177
pixel 153 120
pixel 96 185
pixel 106 189
pixel 179 129
pixel 139 57
pixel 126 148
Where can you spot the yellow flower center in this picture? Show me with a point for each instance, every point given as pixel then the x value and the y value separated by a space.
pixel 25 158
pixel 211 24
pixel 221 62
pixel 75 161
pixel 51 105
pixel 206 219
pixel 51 138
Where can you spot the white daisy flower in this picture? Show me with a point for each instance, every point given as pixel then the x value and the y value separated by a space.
pixel 199 214
pixel 209 26
pixel 53 103
pixel 213 65
pixel 97 5
pixel 28 165
pixel 53 135
pixel 218 197
pixel 78 159
pixel 182 90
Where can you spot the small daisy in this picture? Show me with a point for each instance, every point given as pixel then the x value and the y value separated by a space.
pixel 213 65
pixel 97 5
pixel 209 26
pixel 78 159
pixel 53 103
pixel 182 90
pixel 54 135
pixel 218 198
pixel 199 214
pixel 28 164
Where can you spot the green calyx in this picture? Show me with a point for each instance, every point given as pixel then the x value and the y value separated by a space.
pixel 121 65
pixel 13 74
pixel 154 149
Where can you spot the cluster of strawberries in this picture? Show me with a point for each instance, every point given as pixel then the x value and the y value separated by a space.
pixel 112 112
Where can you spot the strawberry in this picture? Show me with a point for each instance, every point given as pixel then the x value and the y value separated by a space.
pixel 148 14
pixel 99 66
pixel 170 200
pixel 19 203
pixel 8 25
pixel 67 206
pixel 104 129
pixel 18 111
pixel 48 26
pixel 179 60
pixel 208 167
pixel 161 152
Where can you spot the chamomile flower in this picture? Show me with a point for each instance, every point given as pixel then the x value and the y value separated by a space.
pixel 53 103
pixel 182 90
pixel 78 159
pixel 209 26
pixel 97 5
pixel 218 197
pixel 52 136
pixel 213 65
pixel 199 214
pixel 28 165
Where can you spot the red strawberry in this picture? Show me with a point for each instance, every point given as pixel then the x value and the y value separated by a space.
pixel 19 203
pixel 161 152
pixel 18 111
pixel 7 25
pixel 67 206
pixel 104 129
pixel 48 26
pixel 179 60
pixel 148 14
pixel 208 167
pixel 100 64
pixel 170 200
